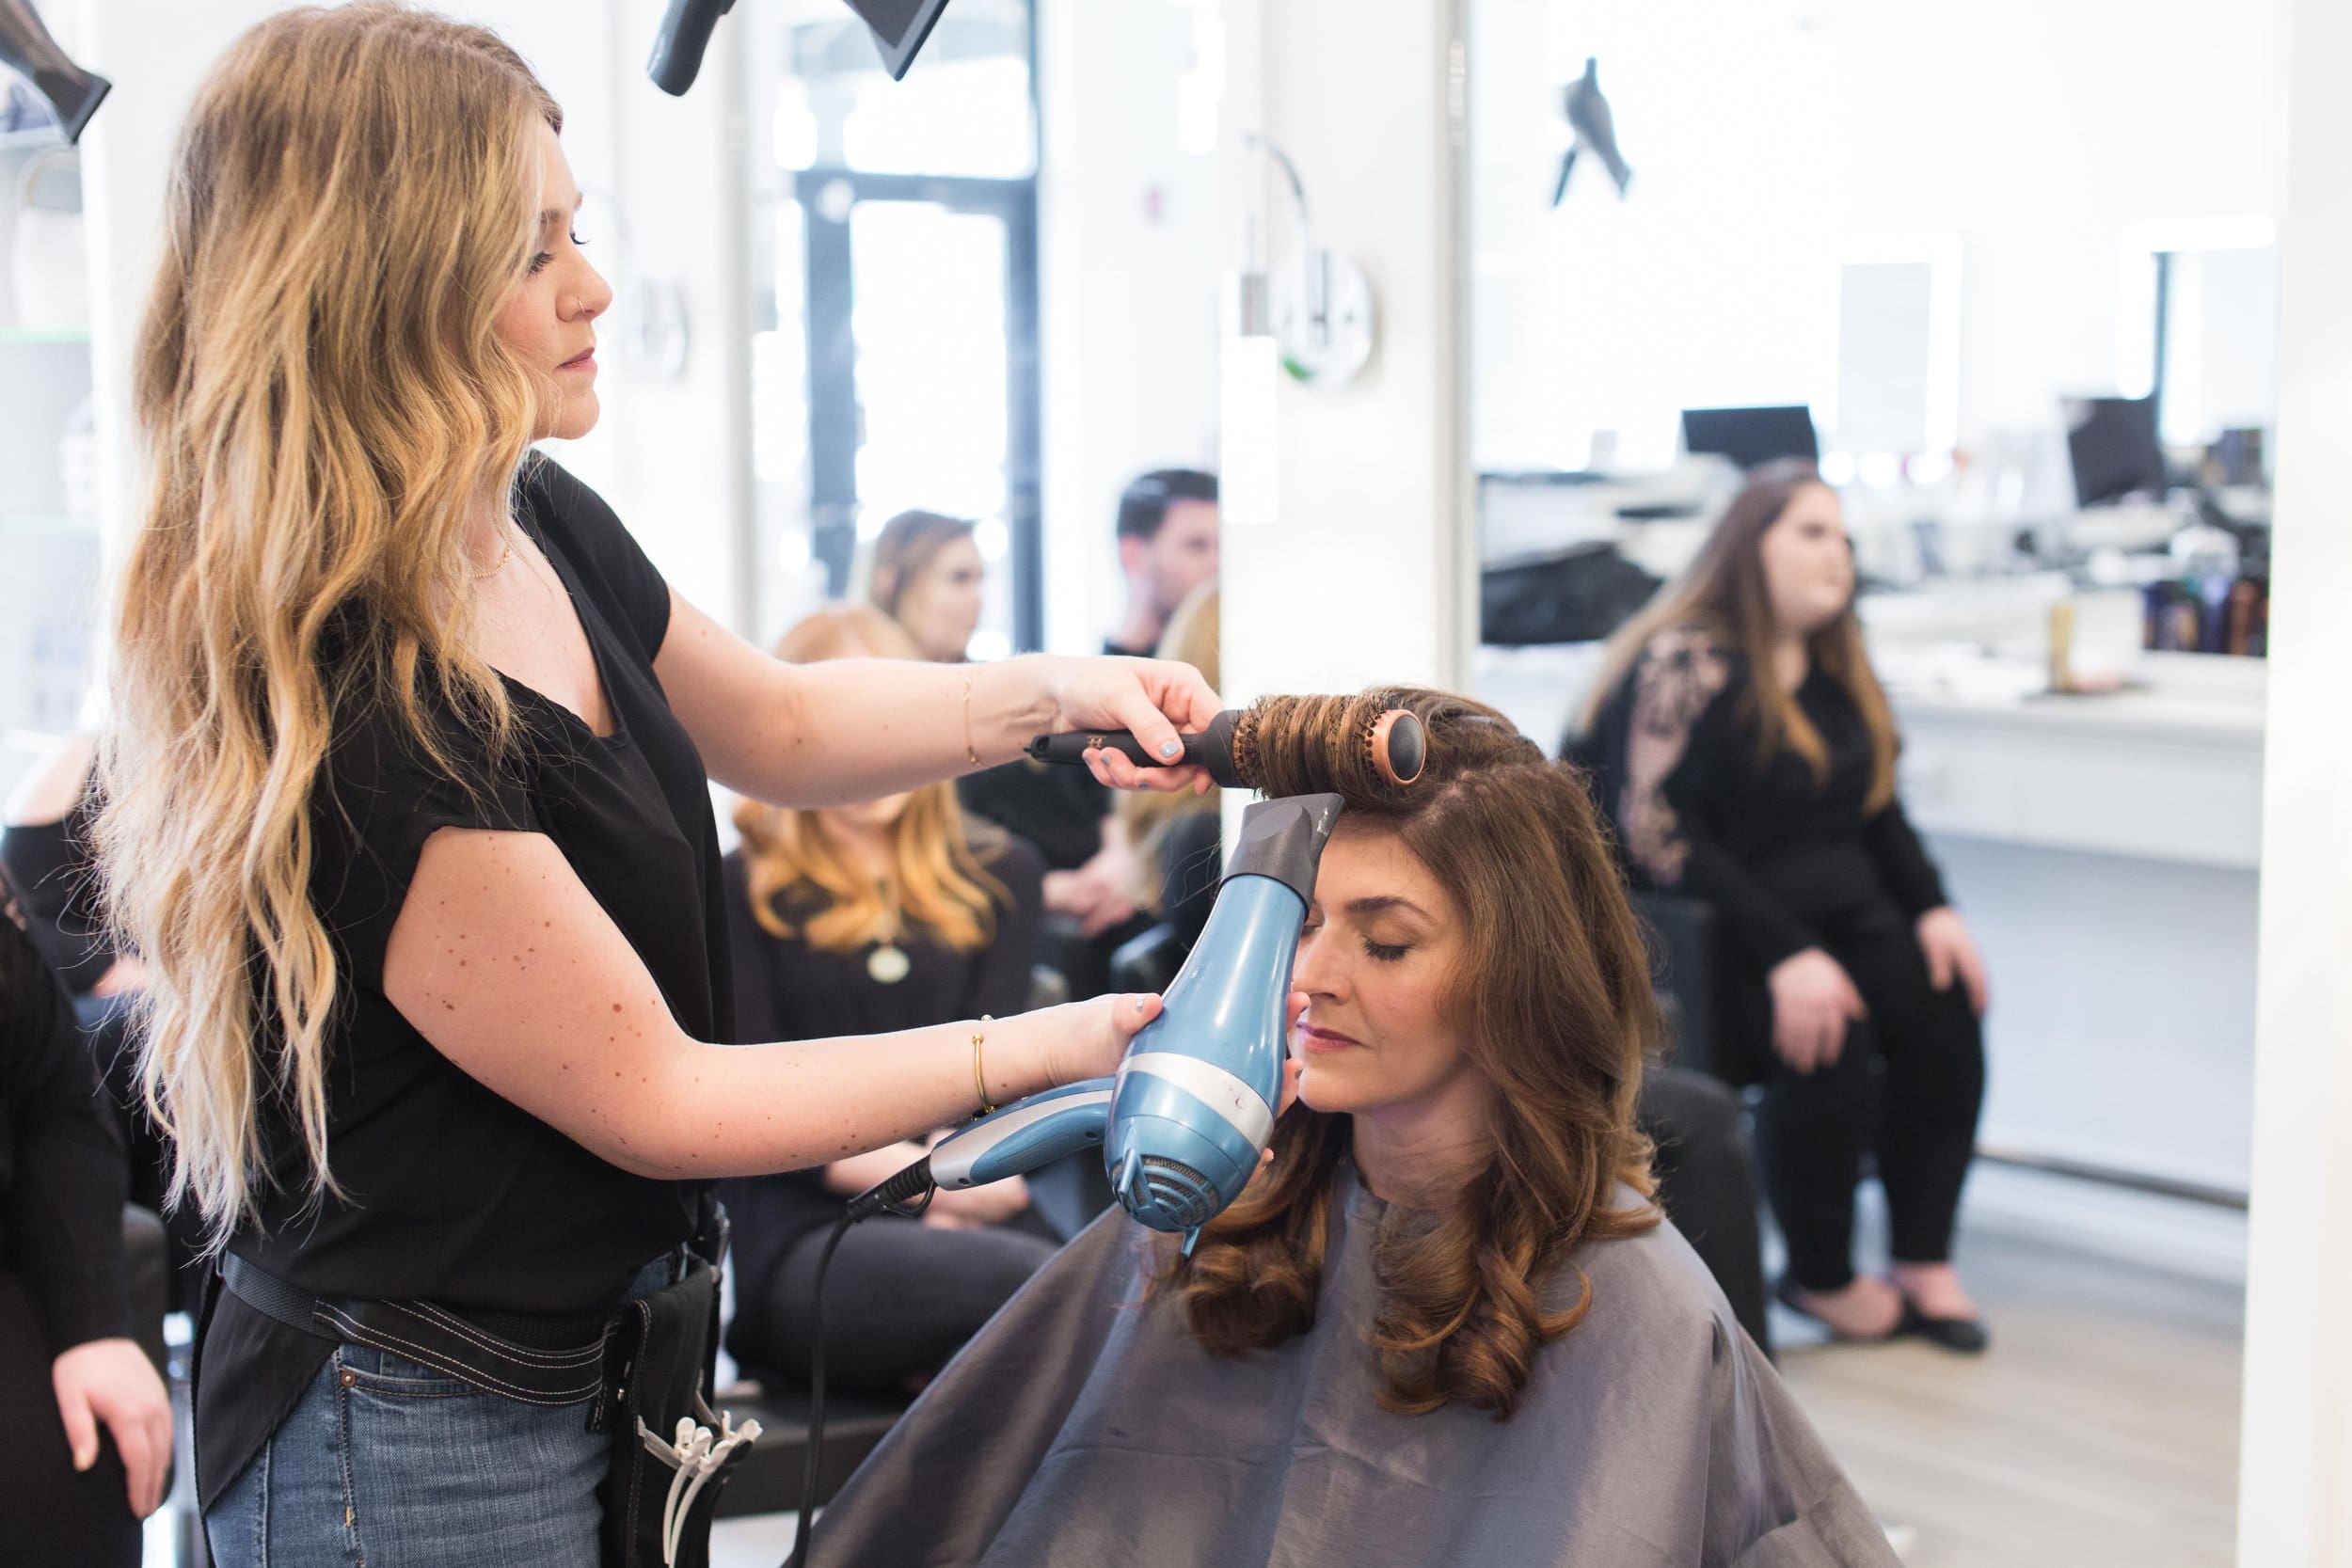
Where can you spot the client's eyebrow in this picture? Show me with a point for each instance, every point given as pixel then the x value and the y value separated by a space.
pixel 1380 902
pixel 550 215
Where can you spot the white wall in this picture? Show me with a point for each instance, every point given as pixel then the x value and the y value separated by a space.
pixel 1361 574
pixel 1133 235
pixel 2295 1495
pixel 1768 134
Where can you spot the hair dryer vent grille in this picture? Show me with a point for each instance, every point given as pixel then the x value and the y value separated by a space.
pixel 1185 1197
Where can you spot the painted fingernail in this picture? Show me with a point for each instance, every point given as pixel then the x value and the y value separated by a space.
pixel 1141 1002
pixel 1169 748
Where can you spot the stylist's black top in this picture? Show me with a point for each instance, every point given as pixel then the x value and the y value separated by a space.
pixel 450 1194
pixel 1789 860
pixel 788 991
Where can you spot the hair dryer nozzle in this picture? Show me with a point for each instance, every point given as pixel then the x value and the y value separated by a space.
pixel 678 49
pixel 72 93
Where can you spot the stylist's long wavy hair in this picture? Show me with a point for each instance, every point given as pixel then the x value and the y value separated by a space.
pixel 1553 1006
pixel 324 405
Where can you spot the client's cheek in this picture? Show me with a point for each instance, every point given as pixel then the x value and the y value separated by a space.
pixel 1327 1084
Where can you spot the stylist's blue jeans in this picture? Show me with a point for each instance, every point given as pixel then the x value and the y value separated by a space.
pixel 385 1463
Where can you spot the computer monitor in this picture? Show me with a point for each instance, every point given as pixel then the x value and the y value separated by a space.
pixel 900 28
pixel 2114 446
pixel 1752 437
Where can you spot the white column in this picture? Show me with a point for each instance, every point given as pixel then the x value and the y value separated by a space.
pixel 2296 1490
pixel 1131 229
pixel 1366 572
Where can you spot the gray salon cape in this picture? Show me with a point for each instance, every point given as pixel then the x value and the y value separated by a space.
pixel 1086 1428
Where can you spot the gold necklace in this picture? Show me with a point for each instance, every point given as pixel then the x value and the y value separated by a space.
pixel 504 556
pixel 888 963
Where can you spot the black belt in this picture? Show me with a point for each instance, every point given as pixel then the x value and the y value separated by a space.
pixel 536 1361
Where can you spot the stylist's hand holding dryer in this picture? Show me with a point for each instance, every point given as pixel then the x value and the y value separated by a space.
pixel 407 813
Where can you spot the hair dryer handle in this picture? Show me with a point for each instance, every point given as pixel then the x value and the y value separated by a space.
pixel 1025 1135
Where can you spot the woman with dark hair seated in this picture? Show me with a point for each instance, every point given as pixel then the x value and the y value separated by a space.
pixel 1446 1325
pixel 1747 753
pixel 861 920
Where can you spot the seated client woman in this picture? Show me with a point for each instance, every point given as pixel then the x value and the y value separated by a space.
pixel 856 921
pixel 1446 1325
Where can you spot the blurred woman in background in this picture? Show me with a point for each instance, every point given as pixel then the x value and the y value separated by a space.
pixel 926 575
pixel 860 920
pixel 1745 747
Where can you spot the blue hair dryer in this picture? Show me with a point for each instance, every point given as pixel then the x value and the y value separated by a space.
pixel 1183 1122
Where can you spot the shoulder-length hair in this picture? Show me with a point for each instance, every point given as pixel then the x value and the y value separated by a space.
pixel 938 878
pixel 1724 593
pixel 1552 1003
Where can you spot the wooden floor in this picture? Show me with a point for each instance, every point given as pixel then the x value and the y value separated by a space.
pixel 2101 1429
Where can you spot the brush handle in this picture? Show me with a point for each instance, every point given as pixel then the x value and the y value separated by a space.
pixel 1212 749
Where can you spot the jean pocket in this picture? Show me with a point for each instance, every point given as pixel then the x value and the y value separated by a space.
pixel 365 1369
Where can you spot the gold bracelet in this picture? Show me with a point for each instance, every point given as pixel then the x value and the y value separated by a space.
pixel 980 1078
pixel 971 752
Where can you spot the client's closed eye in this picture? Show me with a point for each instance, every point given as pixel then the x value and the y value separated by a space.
pixel 1387 953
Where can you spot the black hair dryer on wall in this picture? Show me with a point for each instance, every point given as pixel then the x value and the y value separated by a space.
pixel 900 27
pixel 72 93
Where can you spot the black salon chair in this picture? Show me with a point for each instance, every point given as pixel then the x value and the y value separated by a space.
pixel 768 1480
pixel 1683 936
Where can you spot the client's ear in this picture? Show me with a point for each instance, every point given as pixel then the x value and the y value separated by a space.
pixel 886 584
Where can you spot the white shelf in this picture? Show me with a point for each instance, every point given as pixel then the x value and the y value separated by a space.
pixel 45 336
pixel 38 138
pixel 46 523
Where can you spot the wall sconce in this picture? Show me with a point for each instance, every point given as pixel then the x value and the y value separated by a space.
pixel 1319 301
pixel 1310 318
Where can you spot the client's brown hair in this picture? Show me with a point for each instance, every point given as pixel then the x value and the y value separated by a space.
pixel 1552 1000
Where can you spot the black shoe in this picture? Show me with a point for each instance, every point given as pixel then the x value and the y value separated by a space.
pixel 1961 1335
pixel 1790 1294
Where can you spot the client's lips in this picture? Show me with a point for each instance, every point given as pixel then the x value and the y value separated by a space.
pixel 585 360
pixel 1323 1040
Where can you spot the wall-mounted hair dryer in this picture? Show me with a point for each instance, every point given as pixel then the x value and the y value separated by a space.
pixel 1183 1122
pixel 900 29
pixel 72 93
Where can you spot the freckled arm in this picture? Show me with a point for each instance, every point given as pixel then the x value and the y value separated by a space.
pixel 506 963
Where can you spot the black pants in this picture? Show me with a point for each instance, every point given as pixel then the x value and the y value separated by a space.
pixel 51 1513
pixel 901 1299
pixel 1707 1184
pixel 1909 1084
